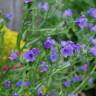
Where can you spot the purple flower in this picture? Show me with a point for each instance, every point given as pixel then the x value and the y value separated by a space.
pixel 67 43
pixel 44 67
pixel 27 1
pixel 92 12
pixel 92 27
pixel 52 93
pixel 63 43
pixel 72 95
pixel 49 43
pixel 67 51
pixel 68 47
pixel 84 67
pixel 76 78
pixel 19 83
pixel 40 94
pixel 66 83
pixel 13 55
pixel 15 94
pixel 90 81
pixel 35 51
pixel 93 41
pixel 77 48
pixel 54 55
pixel 29 56
pixel 27 84
pixel 39 91
pixel 43 6
pixel 68 13
pixel 93 50
pixel 81 22
pixel 9 15
pixel 7 84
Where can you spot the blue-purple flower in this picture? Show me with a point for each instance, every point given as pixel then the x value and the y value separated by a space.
pixel 65 43
pixel 67 50
pixel 49 43
pixel 54 54
pixel 40 94
pixel 72 95
pixel 29 56
pixel 27 1
pixel 77 78
pixel 41 91
pixel 67 83
pixel 44 67
pixel 68 47
pixel 93 41
pixel 93 50
pixel 9 15
pixel 90 81
pixel 68 13
pixel 43 6
pixel 92 12
pixel 77 48
pixel 81 22
pixel 19 83
pixel 13 55
pixel 26 83
pixel 52 93
pixel 92 27
pixel 7 84
pixel 35 51
pixel 84 67
pixel 15 94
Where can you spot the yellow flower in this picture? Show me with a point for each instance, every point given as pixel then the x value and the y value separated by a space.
pixel 10 39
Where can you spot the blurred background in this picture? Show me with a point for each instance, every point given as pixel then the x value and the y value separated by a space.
pixel 13 10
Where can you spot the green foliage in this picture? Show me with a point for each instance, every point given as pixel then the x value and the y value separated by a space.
pixel 37 25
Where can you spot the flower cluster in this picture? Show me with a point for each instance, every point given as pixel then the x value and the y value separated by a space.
pixel 68 48
pixel 60 60
pixel 20 83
